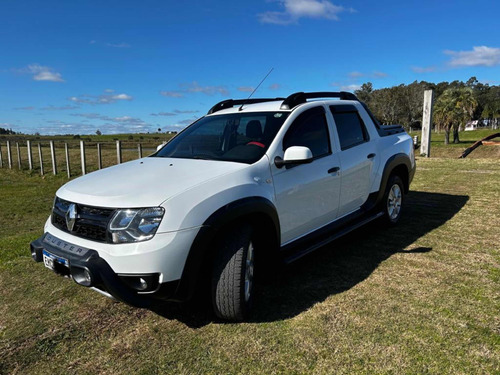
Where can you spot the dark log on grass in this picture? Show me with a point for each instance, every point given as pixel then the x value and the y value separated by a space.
pixel 477 144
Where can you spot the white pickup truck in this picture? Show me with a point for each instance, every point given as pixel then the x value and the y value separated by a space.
pixel 252 181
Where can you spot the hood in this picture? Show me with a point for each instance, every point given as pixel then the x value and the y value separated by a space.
pixel 144 182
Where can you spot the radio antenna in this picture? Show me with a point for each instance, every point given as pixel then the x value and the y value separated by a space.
pixel 255 89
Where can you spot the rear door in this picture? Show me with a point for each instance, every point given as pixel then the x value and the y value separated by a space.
pixel 358 157
pixel 307 195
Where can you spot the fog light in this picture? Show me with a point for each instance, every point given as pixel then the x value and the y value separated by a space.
pixel 81 276
pixel 141 283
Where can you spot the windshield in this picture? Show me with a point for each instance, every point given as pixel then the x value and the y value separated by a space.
pixel 237 137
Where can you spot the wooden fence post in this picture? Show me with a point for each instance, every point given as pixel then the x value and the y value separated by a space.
pixel 9 154
pixel 30 155
pixel 99 156
pixel 1 160
pixel 41 158
pixel 139 148
pixel 66 151
pixel 53 156
pixel 18 155
pixel 82 153
pixel 119 152
pixel 425 146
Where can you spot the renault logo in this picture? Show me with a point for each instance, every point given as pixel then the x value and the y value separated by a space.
pixel 71 216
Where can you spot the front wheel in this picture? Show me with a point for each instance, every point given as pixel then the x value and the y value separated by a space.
pixel 233 274
pixel 393 199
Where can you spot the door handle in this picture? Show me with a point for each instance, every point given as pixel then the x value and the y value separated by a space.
pixel 333 170
pixel 370 156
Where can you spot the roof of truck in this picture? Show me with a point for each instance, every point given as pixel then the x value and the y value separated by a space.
pixel 277 104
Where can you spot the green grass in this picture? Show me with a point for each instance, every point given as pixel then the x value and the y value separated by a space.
pixel 421 298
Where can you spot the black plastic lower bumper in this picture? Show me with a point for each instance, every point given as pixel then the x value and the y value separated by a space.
pixel 87 268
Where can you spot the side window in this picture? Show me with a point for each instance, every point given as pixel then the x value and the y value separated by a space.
pixel 350 128
pixel 309 129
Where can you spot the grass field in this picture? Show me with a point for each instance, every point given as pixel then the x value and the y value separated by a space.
pixel 421 298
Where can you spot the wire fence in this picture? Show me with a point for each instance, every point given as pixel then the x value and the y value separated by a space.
pixel 71 158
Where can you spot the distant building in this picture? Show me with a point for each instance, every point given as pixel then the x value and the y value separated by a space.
pixel 484 123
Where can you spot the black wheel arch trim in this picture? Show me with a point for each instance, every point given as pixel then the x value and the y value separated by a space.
pixel 222 217
pixel 392 163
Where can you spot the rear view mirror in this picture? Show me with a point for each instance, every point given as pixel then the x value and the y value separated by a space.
pixel 294 155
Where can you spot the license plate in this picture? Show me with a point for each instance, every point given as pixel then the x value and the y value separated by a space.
pixel 52 261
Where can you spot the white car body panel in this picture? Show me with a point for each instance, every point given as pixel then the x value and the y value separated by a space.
pixel 146 182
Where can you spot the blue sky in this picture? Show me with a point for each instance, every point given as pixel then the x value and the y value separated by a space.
pixel 136 66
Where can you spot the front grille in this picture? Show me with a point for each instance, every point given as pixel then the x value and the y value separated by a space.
pixel 91 222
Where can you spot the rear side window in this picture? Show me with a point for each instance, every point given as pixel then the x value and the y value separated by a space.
pixel 350 128
pixel 310 129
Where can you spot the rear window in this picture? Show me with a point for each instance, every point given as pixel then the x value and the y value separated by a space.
pixel 350 128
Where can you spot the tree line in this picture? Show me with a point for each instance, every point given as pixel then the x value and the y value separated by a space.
pixel 455 103
pixel 7 131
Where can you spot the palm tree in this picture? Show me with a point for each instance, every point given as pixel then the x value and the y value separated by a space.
pixel 443 114
pixel 466 104
pixel 454 107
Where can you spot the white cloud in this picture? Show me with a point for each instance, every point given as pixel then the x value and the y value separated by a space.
pixel 208 90
pixel 43 73
pixel 423 69
pixel 377 74
pixel 275 86
pixel 296 9
pixel 179 111
pixel 62 108
pixel 121 97
pixel 24 108
pixel 346 87
pixel 245 88
pixel 355 74
pixel 119 45
pixel 352 87
pixel 194 87
pixel 164 114
pixel 172 94
pixel 479 56
pixel 100 99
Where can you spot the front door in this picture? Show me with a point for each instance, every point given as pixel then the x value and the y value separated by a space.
pixel 307 195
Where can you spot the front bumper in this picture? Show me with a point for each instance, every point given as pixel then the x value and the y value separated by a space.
pixel 87 268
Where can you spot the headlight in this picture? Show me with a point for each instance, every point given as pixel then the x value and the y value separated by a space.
pixel 135 225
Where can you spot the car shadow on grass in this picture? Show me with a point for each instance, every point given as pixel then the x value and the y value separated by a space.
pixel 336 267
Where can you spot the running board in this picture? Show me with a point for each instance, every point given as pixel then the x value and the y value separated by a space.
pixel 333 237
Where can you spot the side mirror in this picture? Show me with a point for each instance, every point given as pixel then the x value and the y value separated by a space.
pixel 159 147
pixel 294 155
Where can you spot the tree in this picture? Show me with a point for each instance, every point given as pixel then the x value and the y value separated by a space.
pixel 364 93
pixel 453 108
pixel 443 114
pixel 466 105
pixel 98 132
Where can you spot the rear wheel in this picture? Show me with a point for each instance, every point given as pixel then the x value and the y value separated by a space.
pixel 233 274
pixel 393 199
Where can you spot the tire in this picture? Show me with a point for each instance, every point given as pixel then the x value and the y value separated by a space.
pixel 233 274
pixel 393 200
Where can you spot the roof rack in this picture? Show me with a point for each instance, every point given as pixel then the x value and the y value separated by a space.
pixel 301 97
pixel 229 103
